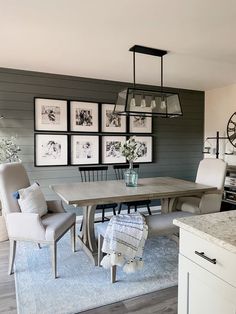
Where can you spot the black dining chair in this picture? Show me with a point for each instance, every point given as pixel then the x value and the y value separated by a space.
pixel 119 173
pixel 91 174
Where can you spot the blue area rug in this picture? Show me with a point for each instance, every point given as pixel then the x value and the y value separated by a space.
pixel 80 285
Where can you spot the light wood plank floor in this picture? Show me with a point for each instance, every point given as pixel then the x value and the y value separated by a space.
pixel 160 302
pixel 7 283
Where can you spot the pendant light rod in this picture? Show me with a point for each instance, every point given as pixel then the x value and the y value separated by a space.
pixel 134 68
pixel 147 51
pixel 161 73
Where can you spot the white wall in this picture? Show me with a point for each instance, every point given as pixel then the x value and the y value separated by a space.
pixel 220 104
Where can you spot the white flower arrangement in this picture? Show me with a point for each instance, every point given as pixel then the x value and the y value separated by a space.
pixel 130 149
pixel 9 150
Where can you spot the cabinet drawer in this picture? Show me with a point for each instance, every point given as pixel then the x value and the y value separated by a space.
pixel 225 261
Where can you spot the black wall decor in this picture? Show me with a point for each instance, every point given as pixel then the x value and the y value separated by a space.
pixel 177 143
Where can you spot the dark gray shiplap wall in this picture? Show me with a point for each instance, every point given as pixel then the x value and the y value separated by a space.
pixel 177 141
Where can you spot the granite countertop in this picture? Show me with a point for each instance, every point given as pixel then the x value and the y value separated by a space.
pixel 218 228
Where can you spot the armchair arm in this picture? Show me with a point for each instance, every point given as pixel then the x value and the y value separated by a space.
pixel 25 226
pixel 55 206
pixel 210 203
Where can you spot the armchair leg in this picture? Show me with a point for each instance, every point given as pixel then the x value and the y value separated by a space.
pixel 120 207
pixel 113 274
pixel 72 234
pixel 12 256
pixel 54 259
pixel 39 246
pixel 100 254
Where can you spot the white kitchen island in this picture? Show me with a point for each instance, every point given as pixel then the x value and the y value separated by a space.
pixel 207 264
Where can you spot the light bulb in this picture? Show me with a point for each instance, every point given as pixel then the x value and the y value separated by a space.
pixel 153 103
pixel 132 102
pixel 163 104
pixel 143 103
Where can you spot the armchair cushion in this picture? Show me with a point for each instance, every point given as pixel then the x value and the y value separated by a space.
pixel 162 224
pixel 31 200
pixel 189 204
pixel 56 224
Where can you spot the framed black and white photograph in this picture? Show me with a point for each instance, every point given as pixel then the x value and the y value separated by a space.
pixel 110 149
pixel 144 148
pixel 50 114
pixel 51 150
pixel 84 149
pixel 112 122
pixel 140 124
pixel 83 116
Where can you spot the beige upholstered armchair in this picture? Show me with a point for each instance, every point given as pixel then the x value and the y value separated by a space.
pixel 47 229
pixel 210 172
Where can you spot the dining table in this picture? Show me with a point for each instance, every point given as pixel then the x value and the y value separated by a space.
pixel 90 194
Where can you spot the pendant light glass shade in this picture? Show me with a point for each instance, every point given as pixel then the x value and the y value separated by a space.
pixel 148 102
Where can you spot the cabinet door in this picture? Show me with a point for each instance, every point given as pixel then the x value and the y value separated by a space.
pixel 201 292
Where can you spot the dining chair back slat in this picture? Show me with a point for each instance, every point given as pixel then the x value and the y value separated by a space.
pixel 89 174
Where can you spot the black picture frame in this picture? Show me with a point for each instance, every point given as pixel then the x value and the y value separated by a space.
pixel 110 160
pixel 93 161
pixel 88 115
pixel 144 124
pixel 149 143
pixel 48 150
pixel 111 123
pixel 50 114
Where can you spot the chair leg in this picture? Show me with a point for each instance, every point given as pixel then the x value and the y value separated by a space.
pixel 103 214
pixel 114 211
pixel 135 208
pixel 54 259
pixel 120 207
pixel 149 210
pixel 128 209
pixel 39 246
pixel 73 241
pixel 12 256
pixel 81 225
pixel 113 274
pixel 100 254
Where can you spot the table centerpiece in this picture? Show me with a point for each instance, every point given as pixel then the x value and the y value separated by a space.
pixel 130 150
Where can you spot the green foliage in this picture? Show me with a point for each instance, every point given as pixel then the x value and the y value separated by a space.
pixel 130 149
pixel 9 150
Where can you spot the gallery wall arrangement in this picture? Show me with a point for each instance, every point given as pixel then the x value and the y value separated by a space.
pixel 176 152
pixel 86 133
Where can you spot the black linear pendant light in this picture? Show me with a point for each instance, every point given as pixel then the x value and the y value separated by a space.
pixel 137 101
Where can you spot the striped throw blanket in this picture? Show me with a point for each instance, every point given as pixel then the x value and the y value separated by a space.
pixel 124 242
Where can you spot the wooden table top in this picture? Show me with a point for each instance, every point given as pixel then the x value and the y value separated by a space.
pixel 105 192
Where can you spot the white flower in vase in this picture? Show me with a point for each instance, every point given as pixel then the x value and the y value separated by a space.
pixel 130 151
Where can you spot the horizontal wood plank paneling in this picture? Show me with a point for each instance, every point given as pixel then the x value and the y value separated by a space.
pixel 177 142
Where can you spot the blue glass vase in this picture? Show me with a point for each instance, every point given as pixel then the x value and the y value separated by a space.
pixel 131 176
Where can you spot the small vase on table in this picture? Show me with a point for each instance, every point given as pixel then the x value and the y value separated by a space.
pixel 131 176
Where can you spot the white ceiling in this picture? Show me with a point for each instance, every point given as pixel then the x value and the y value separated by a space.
pixel 91 38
